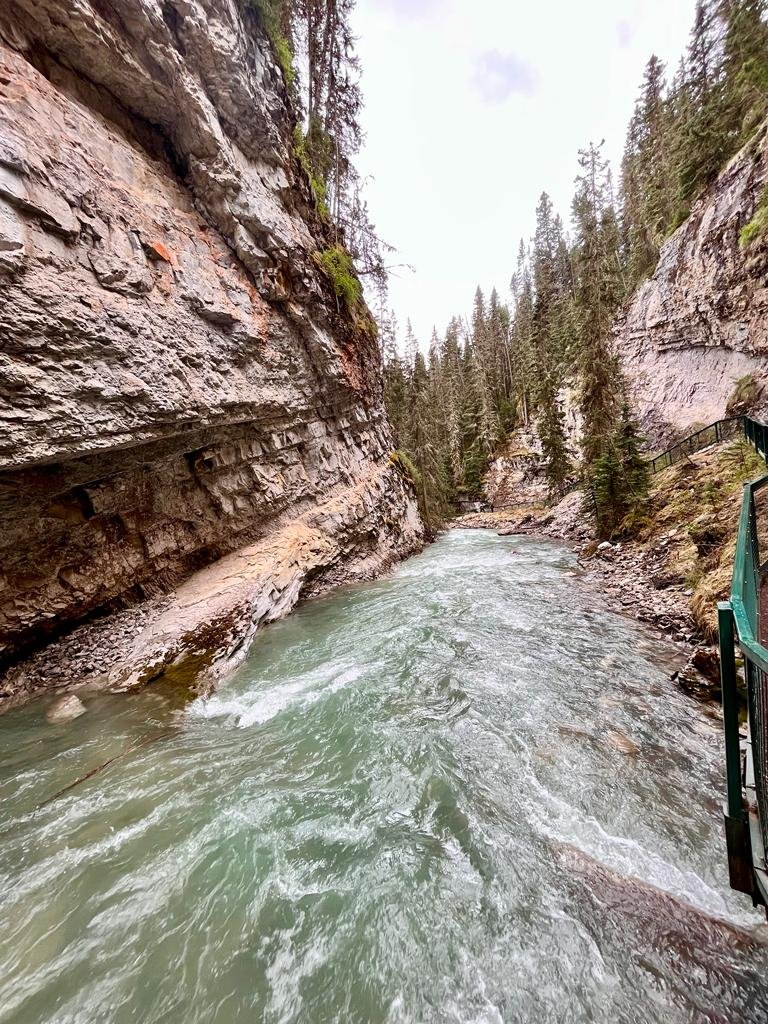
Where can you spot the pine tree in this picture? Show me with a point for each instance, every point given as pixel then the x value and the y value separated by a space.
pixel 450 361
pixel 745 63
pixel 620 477
pixel 499 328
pixel 411 348
pixel 634 467
pixel 606 486
pixel 608 431
pixel 554 443
pixel 425 448
pixel 551 292
pixel 521 335
pixel 480 366
pixel 395 380
pixel 708 137
pixel 598 293
pixel 648 187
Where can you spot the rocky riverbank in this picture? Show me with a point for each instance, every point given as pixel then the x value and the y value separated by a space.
pixel 201 631
pixel 623 576
pixel 676 565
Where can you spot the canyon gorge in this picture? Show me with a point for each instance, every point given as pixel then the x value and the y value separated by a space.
pixel 180 387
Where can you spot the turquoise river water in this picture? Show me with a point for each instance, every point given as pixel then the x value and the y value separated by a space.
pixel 463 793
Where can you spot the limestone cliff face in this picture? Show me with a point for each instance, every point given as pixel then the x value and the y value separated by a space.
pixel 701 321
pixel 177 381
pixel 515 476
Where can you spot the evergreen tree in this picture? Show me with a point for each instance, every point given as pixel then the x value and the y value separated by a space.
pixel 598 293
pixel 450 362
pixel 522 335
pixel 619 480
pixel 395 380
pixel 634 467
pixel 679 139
pixel 648 200
pixel 551 292
pixel 745 63
pixel 707 138
pixel 424 447
pixel 609 442
pixel 411 348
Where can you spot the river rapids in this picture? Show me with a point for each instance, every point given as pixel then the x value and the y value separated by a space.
pixel 467 793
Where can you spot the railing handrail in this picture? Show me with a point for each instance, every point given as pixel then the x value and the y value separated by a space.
pixel 746 808
pixel 685 442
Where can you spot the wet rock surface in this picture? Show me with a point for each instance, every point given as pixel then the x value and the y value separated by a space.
pixel 65 709
pixel 624 576
pixel 176 381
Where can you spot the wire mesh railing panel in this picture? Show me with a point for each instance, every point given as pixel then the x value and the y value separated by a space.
pixel 745 619
pixel 721 430
pixel 761 529
pixel 758 715
pixel 750 585
pixel 757 434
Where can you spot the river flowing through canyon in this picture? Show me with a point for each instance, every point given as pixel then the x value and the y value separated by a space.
pixel 467 792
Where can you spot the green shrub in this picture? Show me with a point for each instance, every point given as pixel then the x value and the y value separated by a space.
pixel 336 263
pixel 269 12
pixel 285 59
pixel 680 217
pixel 745 391
pixel 404 463
pixel 740 462
pixel 707 533
pixel 319 192
pixel 759 223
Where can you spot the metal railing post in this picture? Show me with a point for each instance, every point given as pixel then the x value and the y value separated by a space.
pixel 730 709
pixel 736 823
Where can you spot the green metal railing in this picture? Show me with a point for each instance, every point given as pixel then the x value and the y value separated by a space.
pixel 720 430
pixel 740 627
pixel 757 435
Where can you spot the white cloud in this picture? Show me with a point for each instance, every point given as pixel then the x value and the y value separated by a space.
pixel 624 33
pixel 499 75
pixel 458 171
pixel 412 8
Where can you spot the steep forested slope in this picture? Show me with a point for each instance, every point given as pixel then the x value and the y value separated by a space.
pixel 590 351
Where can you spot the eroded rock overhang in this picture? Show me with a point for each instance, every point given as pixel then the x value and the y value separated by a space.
pixel 176 380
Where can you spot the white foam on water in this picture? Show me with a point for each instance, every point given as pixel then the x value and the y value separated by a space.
pixel 259 706
pixel 624 856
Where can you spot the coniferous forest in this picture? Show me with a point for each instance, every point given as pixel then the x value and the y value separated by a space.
pixel 518 359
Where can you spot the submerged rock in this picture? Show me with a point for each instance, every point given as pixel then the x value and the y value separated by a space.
pixel 620 741
pixel 65 709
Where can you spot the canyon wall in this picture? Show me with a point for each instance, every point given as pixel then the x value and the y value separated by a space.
pixel 178 380
pixel 700 323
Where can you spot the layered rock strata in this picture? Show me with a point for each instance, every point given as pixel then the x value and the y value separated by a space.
pixel 177 378
pixel 700 323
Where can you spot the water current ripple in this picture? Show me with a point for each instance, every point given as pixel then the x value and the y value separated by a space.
pixel 463 793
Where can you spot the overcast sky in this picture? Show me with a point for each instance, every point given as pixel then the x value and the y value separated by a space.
pixel 473 107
